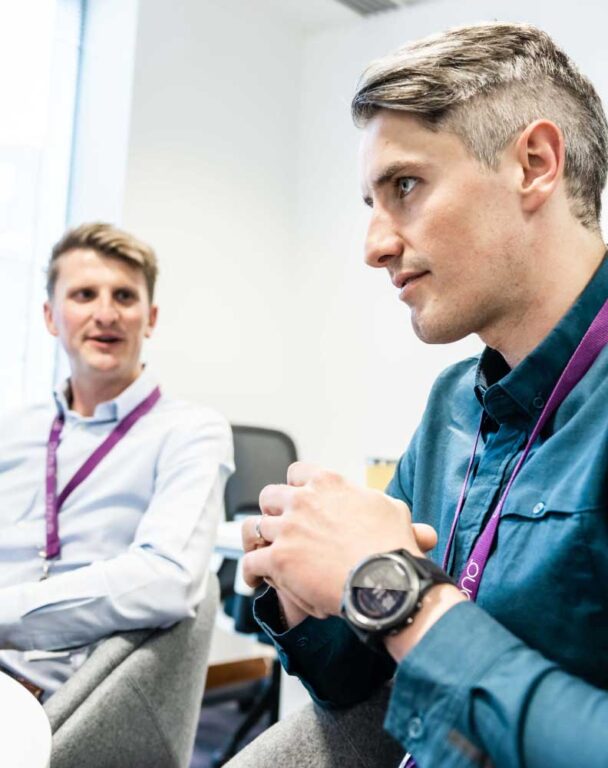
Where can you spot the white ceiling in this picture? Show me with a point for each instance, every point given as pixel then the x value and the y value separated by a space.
pixel 311 15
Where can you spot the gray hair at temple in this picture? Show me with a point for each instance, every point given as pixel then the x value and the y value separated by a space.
pixel 487 82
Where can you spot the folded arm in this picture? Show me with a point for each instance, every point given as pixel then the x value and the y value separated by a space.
pixel 158 580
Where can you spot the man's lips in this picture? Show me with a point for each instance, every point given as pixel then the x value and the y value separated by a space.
pixel 406 281
pixel 105 339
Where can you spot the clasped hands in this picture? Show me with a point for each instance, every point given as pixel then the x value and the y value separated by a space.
pixel 315 529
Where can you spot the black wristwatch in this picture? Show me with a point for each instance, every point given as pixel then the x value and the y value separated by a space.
pixel 384 592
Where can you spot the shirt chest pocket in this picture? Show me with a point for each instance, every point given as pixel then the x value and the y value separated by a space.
pixel 545 530
pixel 546 577
pixel 533 503
pixel 551 544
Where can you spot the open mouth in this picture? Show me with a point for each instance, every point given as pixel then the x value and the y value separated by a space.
pixel 105 339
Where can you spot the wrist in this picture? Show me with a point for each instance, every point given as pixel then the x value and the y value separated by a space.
pixel 435 603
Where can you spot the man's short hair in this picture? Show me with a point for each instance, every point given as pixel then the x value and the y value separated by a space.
pixel 487 82
pixel 106 240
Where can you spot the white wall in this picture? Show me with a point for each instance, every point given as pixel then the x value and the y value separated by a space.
pixel 242 171
pixel 210 182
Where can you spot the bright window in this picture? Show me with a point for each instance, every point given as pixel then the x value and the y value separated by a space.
pixel 39 62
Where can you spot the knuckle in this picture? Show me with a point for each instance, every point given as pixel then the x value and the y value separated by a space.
pixel 402 508
pixel 299 500
pixel 266 491
pixel 289 525
pixel 279 557
pixel 293 470
pixel 326 477
pixel 332 477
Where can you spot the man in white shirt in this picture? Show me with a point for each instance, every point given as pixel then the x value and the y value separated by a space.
pixel 112 493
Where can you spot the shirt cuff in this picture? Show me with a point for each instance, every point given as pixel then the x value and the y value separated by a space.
pixel 12 600
pixel 431 708
pixel 298 643
pixel 336 668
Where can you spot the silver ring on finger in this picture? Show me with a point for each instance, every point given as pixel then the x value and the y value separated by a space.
pixel 260 541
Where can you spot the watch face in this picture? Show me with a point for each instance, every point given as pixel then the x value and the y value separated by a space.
pixel 383 588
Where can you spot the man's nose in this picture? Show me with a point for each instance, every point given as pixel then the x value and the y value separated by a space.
pixel 383 241
pixel 106 311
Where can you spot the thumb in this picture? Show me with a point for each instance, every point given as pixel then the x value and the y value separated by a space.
pixel 426 536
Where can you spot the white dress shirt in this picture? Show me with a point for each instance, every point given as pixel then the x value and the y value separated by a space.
pixel 136 535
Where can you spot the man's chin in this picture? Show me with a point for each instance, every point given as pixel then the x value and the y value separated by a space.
pixel 435 332
pixel 104 364
pixel 98 368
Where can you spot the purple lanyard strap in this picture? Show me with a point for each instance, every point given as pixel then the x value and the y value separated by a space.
pixel 592 343
pixel 53 502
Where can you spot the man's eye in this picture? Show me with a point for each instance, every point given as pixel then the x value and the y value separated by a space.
pixel 83 294
pixel 125 295
pixel 405 185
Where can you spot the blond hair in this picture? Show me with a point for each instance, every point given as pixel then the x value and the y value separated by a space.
pixel 106 240
pixel 487 82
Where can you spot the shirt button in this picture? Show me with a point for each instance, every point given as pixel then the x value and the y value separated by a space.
pixel 538 402
pixel 415 728
pixel 538 508
pixel 302 642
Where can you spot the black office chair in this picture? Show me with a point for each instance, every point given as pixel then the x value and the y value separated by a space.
pixel 261 456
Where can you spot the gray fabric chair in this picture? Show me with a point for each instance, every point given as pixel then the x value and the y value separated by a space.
pixel 135 703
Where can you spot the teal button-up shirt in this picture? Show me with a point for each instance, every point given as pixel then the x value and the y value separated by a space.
pixel 520 676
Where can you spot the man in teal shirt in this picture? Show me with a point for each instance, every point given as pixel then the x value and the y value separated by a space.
pixel 484 156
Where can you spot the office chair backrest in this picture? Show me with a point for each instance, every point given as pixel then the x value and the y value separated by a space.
pixel 261 457
pixel 136 700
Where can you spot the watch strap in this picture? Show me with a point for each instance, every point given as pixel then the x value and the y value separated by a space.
pixel 427 569
pixel 430 575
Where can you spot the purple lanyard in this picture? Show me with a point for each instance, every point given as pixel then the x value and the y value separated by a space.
pixel 53 502
pixel 592 343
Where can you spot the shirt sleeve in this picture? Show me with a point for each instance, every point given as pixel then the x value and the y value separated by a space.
pixel 471 694
pixel 159 579
pixel 323 654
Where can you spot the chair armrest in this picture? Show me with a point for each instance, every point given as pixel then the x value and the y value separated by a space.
pixel 136 700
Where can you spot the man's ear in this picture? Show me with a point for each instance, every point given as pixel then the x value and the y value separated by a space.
pixel 48 318
pixel 541 154
pixel 152 318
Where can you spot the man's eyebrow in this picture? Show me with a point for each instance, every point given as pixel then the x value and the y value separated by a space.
pixel 408 167
pixel 79 286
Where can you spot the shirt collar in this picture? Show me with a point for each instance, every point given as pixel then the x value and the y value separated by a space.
pixel 519 395
pixel 110 410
